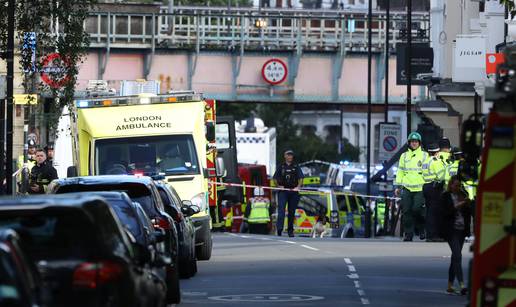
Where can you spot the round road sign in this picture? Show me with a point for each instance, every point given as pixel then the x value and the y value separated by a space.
pixel 274 71
pixel 390 143
pixel 54 70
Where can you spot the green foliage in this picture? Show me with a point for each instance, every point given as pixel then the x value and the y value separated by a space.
pixel 307 146
pixel 59 28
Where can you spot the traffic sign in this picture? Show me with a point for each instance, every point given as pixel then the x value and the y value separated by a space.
pixel 274 71
pixel 390 140
pixel 54 70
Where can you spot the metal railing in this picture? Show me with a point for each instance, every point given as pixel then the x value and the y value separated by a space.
pixel 251 29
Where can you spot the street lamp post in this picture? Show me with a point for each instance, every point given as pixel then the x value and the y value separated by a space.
pixel 369 109
pixel 409 68
pixel 9 98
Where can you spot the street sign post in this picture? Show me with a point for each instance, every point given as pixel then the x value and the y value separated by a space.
pixel 422 61
pixel 390 140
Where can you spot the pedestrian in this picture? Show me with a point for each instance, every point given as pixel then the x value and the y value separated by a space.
pixel 49 149
pixel 288 176
pixel 410 180
pixel 41 174
pixel 433 172
pixel 455 227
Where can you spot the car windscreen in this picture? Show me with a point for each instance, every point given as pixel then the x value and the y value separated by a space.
pixel 128 218
pixel 62 234
pixel 313 204
pixel 170 154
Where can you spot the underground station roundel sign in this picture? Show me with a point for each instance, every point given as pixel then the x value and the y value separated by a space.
pixel 54 70
pixel 274 71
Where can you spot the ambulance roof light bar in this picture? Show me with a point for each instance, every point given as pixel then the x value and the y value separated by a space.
pixel 183 96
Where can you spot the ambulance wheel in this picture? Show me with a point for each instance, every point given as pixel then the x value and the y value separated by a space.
pixel 204 251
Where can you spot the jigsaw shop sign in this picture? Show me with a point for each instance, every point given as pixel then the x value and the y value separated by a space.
pixel 143 122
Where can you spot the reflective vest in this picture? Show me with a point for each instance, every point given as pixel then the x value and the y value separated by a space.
pixel 259 211
pixel 444 156
pixel 410 170
pixel 434 170
pixel 451 170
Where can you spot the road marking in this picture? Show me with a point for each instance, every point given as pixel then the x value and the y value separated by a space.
pixel 353 276
pixel 365 301
pixel 361 292
pixel 352 268
pixel 245 237
pixel 357 284
pixel 347 260
pixel 265 239
pixel 289 242
pixel 309 247
pixel 193 293
pixel 232 234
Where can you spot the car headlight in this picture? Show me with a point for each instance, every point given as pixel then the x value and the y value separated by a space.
pixel 200 201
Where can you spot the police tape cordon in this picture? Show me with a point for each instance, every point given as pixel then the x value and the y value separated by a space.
pixel 298 190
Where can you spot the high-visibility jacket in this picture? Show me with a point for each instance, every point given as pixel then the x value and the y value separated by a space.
pixel 452 170
pixel 410 170
pixel 259 211
pixel 444 156
pixel 471 185
pixel 434 170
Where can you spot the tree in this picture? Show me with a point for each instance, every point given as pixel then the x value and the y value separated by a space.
pixel 57 27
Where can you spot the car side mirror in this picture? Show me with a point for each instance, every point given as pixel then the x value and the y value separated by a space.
pixel 189 210
pixel 71 171
pixel 220 168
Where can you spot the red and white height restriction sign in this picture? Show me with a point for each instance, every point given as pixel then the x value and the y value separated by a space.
pixel 274 71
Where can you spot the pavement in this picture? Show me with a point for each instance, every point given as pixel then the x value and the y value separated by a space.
pixel 261 270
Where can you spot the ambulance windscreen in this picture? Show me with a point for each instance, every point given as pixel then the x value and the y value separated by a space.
pixel 149 155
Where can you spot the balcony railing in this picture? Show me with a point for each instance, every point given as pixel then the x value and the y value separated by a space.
pixel 251 29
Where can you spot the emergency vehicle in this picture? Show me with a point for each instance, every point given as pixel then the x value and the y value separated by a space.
pixel 170 135
pixel 494 252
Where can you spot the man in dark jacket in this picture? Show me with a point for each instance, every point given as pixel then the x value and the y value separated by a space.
pixel 289 176
pixel 41 174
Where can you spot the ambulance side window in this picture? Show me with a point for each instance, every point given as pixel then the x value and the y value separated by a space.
pixel 353 203
pixel 341 201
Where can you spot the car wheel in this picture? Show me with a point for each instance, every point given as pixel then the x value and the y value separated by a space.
pixel 204 251
pixel 173 291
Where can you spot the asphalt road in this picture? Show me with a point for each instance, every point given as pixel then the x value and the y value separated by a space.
pixel 258 270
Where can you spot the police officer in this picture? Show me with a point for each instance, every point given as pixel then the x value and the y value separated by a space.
pixel 31 155
pixel 433 172
pixel 410 180
pixel 258 215
pixel 49 149
pixel 445 150
pixel 289 176
pixel 41 174
pixel 453 167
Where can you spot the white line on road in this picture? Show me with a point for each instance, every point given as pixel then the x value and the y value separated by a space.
pixel 365 301
pixel 309 247
pixel 265 239
pixel 357 284
pixel 289 242
pixel 353 276
pixel 361 292
pixel 352 268
pixel 245 237
pixel 347 260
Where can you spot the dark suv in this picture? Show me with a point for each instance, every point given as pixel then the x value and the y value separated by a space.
pixel 141 189
pixel 181 212
pixel 81 251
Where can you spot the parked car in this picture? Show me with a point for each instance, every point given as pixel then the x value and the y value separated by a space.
pixel 181 212
pixel 82 252
pixel 148 243
pixel 141 189
pixel 20 283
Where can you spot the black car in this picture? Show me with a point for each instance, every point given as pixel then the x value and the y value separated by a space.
pixel 141 189
pixel 181 212
pixel 81 251
pixel 147 242
pixel 20 283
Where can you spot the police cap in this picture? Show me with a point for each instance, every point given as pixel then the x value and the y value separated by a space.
pixel 433 148
pixel 49 146
pixel 289 152
pixel 31 143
